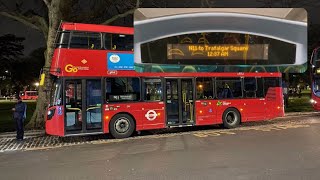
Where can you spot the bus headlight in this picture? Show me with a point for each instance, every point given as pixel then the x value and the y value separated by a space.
pixel 50 113
pixel 313 101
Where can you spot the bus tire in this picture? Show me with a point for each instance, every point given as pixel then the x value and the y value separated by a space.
pixel 231 118
pixel 122 126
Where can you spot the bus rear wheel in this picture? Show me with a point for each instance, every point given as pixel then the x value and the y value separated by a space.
pixel 121 126
pixel 231 118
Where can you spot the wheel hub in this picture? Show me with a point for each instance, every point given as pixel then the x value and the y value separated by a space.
pixel 122 125
pixel 231 118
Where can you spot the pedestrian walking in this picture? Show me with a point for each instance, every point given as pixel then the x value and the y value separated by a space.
pixel 19 115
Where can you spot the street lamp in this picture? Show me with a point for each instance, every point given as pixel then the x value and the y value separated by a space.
pixel 7 71
pixel 37 85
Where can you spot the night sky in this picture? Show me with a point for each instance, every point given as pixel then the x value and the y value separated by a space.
pixel 34 39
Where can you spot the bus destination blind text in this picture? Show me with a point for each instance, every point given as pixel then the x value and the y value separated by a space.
pixel 218 51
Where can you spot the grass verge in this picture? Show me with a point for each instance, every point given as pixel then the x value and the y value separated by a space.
pixel 6 121
pixel 301 104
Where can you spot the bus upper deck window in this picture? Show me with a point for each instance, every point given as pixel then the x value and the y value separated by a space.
pixel 85 40
pixel 63 39
pixel 122 42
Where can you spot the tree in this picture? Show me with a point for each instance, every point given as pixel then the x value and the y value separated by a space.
pixel 26 71
pixel 11 50
pixel 48 21
pixel 47 25
pixel 286 3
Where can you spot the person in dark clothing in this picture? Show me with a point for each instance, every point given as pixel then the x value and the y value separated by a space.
pixel 19 115
pixel 285 93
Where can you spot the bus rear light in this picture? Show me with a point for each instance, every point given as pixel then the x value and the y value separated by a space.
pixel 200 111
pixel 278 107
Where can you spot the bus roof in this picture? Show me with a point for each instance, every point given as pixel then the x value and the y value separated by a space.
pixel 96 28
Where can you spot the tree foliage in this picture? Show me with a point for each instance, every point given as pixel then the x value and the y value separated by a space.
pixel 26 71
pixel 11 49
pixel 46 17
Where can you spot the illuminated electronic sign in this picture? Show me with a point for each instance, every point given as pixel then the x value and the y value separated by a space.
pixel 218 51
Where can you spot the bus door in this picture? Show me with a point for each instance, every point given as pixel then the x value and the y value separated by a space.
pixel 83 99
pixel 179 100
pixel 255 103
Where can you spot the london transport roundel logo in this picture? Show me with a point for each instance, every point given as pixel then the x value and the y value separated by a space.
pixel 114 58
pixel 151 115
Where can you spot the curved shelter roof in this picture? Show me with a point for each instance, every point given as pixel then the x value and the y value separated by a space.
pixel 285 24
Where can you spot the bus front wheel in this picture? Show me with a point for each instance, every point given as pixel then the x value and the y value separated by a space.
pixel 121 126
pixel 231 118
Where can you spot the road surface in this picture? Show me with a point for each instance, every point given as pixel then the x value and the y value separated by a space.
pixel 279 150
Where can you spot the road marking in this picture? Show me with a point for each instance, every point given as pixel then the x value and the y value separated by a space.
pixel 266 128
pixel 213 133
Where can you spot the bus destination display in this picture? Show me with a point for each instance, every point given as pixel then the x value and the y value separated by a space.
pixel 218 51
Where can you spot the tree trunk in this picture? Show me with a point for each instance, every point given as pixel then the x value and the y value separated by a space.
pixel 57 10
pixel 38 118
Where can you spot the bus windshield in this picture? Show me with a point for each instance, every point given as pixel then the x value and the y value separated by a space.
pixel 55 96
pixel 31 93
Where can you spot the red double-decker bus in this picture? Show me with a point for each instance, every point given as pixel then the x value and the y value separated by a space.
pixel 29 95
pixel 89 96
pixel 315 79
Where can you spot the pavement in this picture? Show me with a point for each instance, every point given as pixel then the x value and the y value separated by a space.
pixel 301 113
pixel 28 133
pixel 32 133
pixel 284 149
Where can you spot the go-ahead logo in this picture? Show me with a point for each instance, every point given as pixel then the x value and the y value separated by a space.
pixel 114 58
pixel 70 68
pixel 73 69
